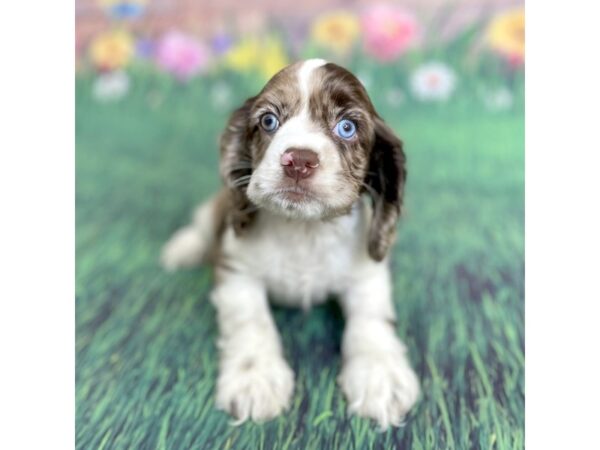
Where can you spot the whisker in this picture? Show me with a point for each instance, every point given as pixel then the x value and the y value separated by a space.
pixel 239 185
pixel 240 181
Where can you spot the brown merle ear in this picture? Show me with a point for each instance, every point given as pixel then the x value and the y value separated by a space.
pixel 236 166
pixel 386 177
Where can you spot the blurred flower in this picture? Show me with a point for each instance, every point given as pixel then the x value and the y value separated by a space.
pixel 110 86
pixel 144 48
pixel 274 58
pixel 221 96
pixel 389 31
pixel 395 97
pixel 336 31
pixel 220 43
pixel 433 81
pixel 242 56
pixel 266 56
pixel 506 34
pixel 112 50
pixel 182 55
pixel 499 99
pixel 120 9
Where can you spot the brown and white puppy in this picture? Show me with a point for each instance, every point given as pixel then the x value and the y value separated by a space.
pixel 292 223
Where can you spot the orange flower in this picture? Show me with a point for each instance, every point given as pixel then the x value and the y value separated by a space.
pixel 506 34
pixel 336 31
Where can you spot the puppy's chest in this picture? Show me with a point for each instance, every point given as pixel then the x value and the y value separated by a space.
pixel 301 263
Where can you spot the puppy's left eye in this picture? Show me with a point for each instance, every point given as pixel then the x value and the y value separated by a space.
pixel 269 122
pixel 345 129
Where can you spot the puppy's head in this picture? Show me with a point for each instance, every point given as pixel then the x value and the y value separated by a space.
pixel 307 146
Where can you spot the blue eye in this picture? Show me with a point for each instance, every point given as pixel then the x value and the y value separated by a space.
pixel 345 129
pixel 269 122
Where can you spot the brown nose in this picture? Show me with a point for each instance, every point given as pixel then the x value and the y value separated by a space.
pixel 299 162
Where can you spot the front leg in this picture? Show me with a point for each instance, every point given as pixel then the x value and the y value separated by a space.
pixel 255 382
pixel 376 377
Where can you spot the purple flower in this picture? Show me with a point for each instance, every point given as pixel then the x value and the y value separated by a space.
pixel 220 43
pixel 144 48
pixel 182 55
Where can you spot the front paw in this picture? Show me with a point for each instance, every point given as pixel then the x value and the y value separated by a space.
pixel 256 387
pixel 382 387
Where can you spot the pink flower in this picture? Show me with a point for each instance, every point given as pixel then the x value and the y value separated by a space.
pixel 389 31
pixel 182 55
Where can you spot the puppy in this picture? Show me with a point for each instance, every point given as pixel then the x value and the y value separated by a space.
pixel 292 224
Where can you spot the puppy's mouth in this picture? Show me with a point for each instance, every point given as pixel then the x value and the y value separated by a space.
pixel 289 199
pixel 295 194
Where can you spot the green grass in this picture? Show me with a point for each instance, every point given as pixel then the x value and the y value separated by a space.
pixel 146 357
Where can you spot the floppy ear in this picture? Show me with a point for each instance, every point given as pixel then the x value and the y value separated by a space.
pixel 386 177
pixel 236 166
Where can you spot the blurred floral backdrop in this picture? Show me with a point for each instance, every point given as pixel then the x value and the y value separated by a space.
pixel 402 54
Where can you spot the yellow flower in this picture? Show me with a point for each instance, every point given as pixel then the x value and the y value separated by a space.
pixel 274 58
pixel 265 56
pixel 506 34
pixel 112 50
pixel 336 31
pixel 243 56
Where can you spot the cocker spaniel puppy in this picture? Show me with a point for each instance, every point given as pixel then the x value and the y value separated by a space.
pixel 294 223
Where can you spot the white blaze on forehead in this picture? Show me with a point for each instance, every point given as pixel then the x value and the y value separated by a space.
pixel 304 74
pixel 299 130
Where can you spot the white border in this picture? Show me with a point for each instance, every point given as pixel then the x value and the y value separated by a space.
pixel 37 225
pixel 562 225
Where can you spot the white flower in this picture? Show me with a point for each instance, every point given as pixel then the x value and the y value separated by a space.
pixel 221 96
pixel 395 97
pixel 433 81
pixel 499 99
pixel 110 87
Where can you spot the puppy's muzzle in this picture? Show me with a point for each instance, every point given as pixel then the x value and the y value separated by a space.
pixel 299 163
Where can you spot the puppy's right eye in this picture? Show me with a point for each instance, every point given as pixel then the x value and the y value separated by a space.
pixel 269 122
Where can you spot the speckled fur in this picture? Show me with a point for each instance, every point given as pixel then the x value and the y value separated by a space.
pixel 297 252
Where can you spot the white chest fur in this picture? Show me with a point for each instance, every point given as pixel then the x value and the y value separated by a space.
pixel 300 262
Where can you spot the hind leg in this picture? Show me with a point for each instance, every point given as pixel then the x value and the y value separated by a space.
pixel 190 245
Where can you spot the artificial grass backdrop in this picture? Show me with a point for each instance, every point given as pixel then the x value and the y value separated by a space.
pixel 146 357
